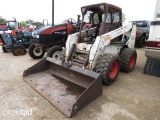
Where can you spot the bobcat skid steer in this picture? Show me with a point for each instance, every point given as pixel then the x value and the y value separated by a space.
pixel 93 55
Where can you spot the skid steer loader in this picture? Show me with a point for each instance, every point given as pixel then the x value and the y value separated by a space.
pixel 93 55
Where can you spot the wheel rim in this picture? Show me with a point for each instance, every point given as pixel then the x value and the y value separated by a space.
pixel 37 51
pixel 19 51
pixel 56 55
pixel 114 69
pixel 132 61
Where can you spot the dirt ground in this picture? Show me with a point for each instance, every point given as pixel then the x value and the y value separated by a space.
pixel 133 96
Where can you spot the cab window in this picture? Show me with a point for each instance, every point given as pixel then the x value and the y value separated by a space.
pixel 116 17
pixel 108 20
pixel 11 25
pixel 96 18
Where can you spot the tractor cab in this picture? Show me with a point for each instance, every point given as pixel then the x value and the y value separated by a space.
pixel 98 19
pixel 14 26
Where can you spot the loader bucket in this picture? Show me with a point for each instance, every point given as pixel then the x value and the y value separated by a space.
pixel 67 88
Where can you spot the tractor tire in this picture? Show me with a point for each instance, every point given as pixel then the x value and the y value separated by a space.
pixel 62 55
pixel 128 59
pixel 108 66
pixel 54 52
pixel 35 52
pixel 141 43
pixel 26 46
pixel 5 50
pixel 18 50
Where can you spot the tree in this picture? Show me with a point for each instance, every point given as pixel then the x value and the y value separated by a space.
pixel 2 20
pixel 29 21
pixel 123 17
pixel 24 24
pixel 37 24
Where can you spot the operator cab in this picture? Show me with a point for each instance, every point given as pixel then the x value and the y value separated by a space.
pixel 99 19
pixel 10 25
pixel 14 26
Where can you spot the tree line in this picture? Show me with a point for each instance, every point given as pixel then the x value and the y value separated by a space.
pixel 25 23
pixel 29 22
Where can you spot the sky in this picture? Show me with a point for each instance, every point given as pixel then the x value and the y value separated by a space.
pixel 64 9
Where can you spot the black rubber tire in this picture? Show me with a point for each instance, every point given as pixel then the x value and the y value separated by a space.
pixel 54 49
pixel 128 59
pixel 62 55
pixel 141 43
pixel 31 52
pixel 26 45
pixel 104 67
pixel 6 49
pixel 18 50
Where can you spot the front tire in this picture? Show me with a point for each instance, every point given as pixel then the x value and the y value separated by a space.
pixel 35 52
pixel 108 65
pixel 55 52
pixel 128 59
pixel 5 50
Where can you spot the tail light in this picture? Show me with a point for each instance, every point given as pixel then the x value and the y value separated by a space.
pixel 136 32
pixel 153 44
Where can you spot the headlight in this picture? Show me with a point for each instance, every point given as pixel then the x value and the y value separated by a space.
pixel 37 36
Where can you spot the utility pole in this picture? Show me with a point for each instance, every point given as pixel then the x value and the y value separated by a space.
pixel 52 12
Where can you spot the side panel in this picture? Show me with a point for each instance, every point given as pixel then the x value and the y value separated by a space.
pixel 53 34
pixel 103 43
pixel 154 31
pixel 52 38
pixel 132 37
pixel 6 39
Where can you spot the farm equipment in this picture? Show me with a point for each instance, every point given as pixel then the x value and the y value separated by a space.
pixel 15 39
pixel 49 36
pixel 152 51
pixel 3 28
pixel 94 55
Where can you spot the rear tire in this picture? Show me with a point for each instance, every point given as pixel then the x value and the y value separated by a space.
pixel 108 66
pixel 128 59
pixel 54 52
pixel 35 52
pixel 18 50
pixel 141 43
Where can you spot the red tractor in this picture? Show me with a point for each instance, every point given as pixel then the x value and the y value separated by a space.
pixel 48 36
